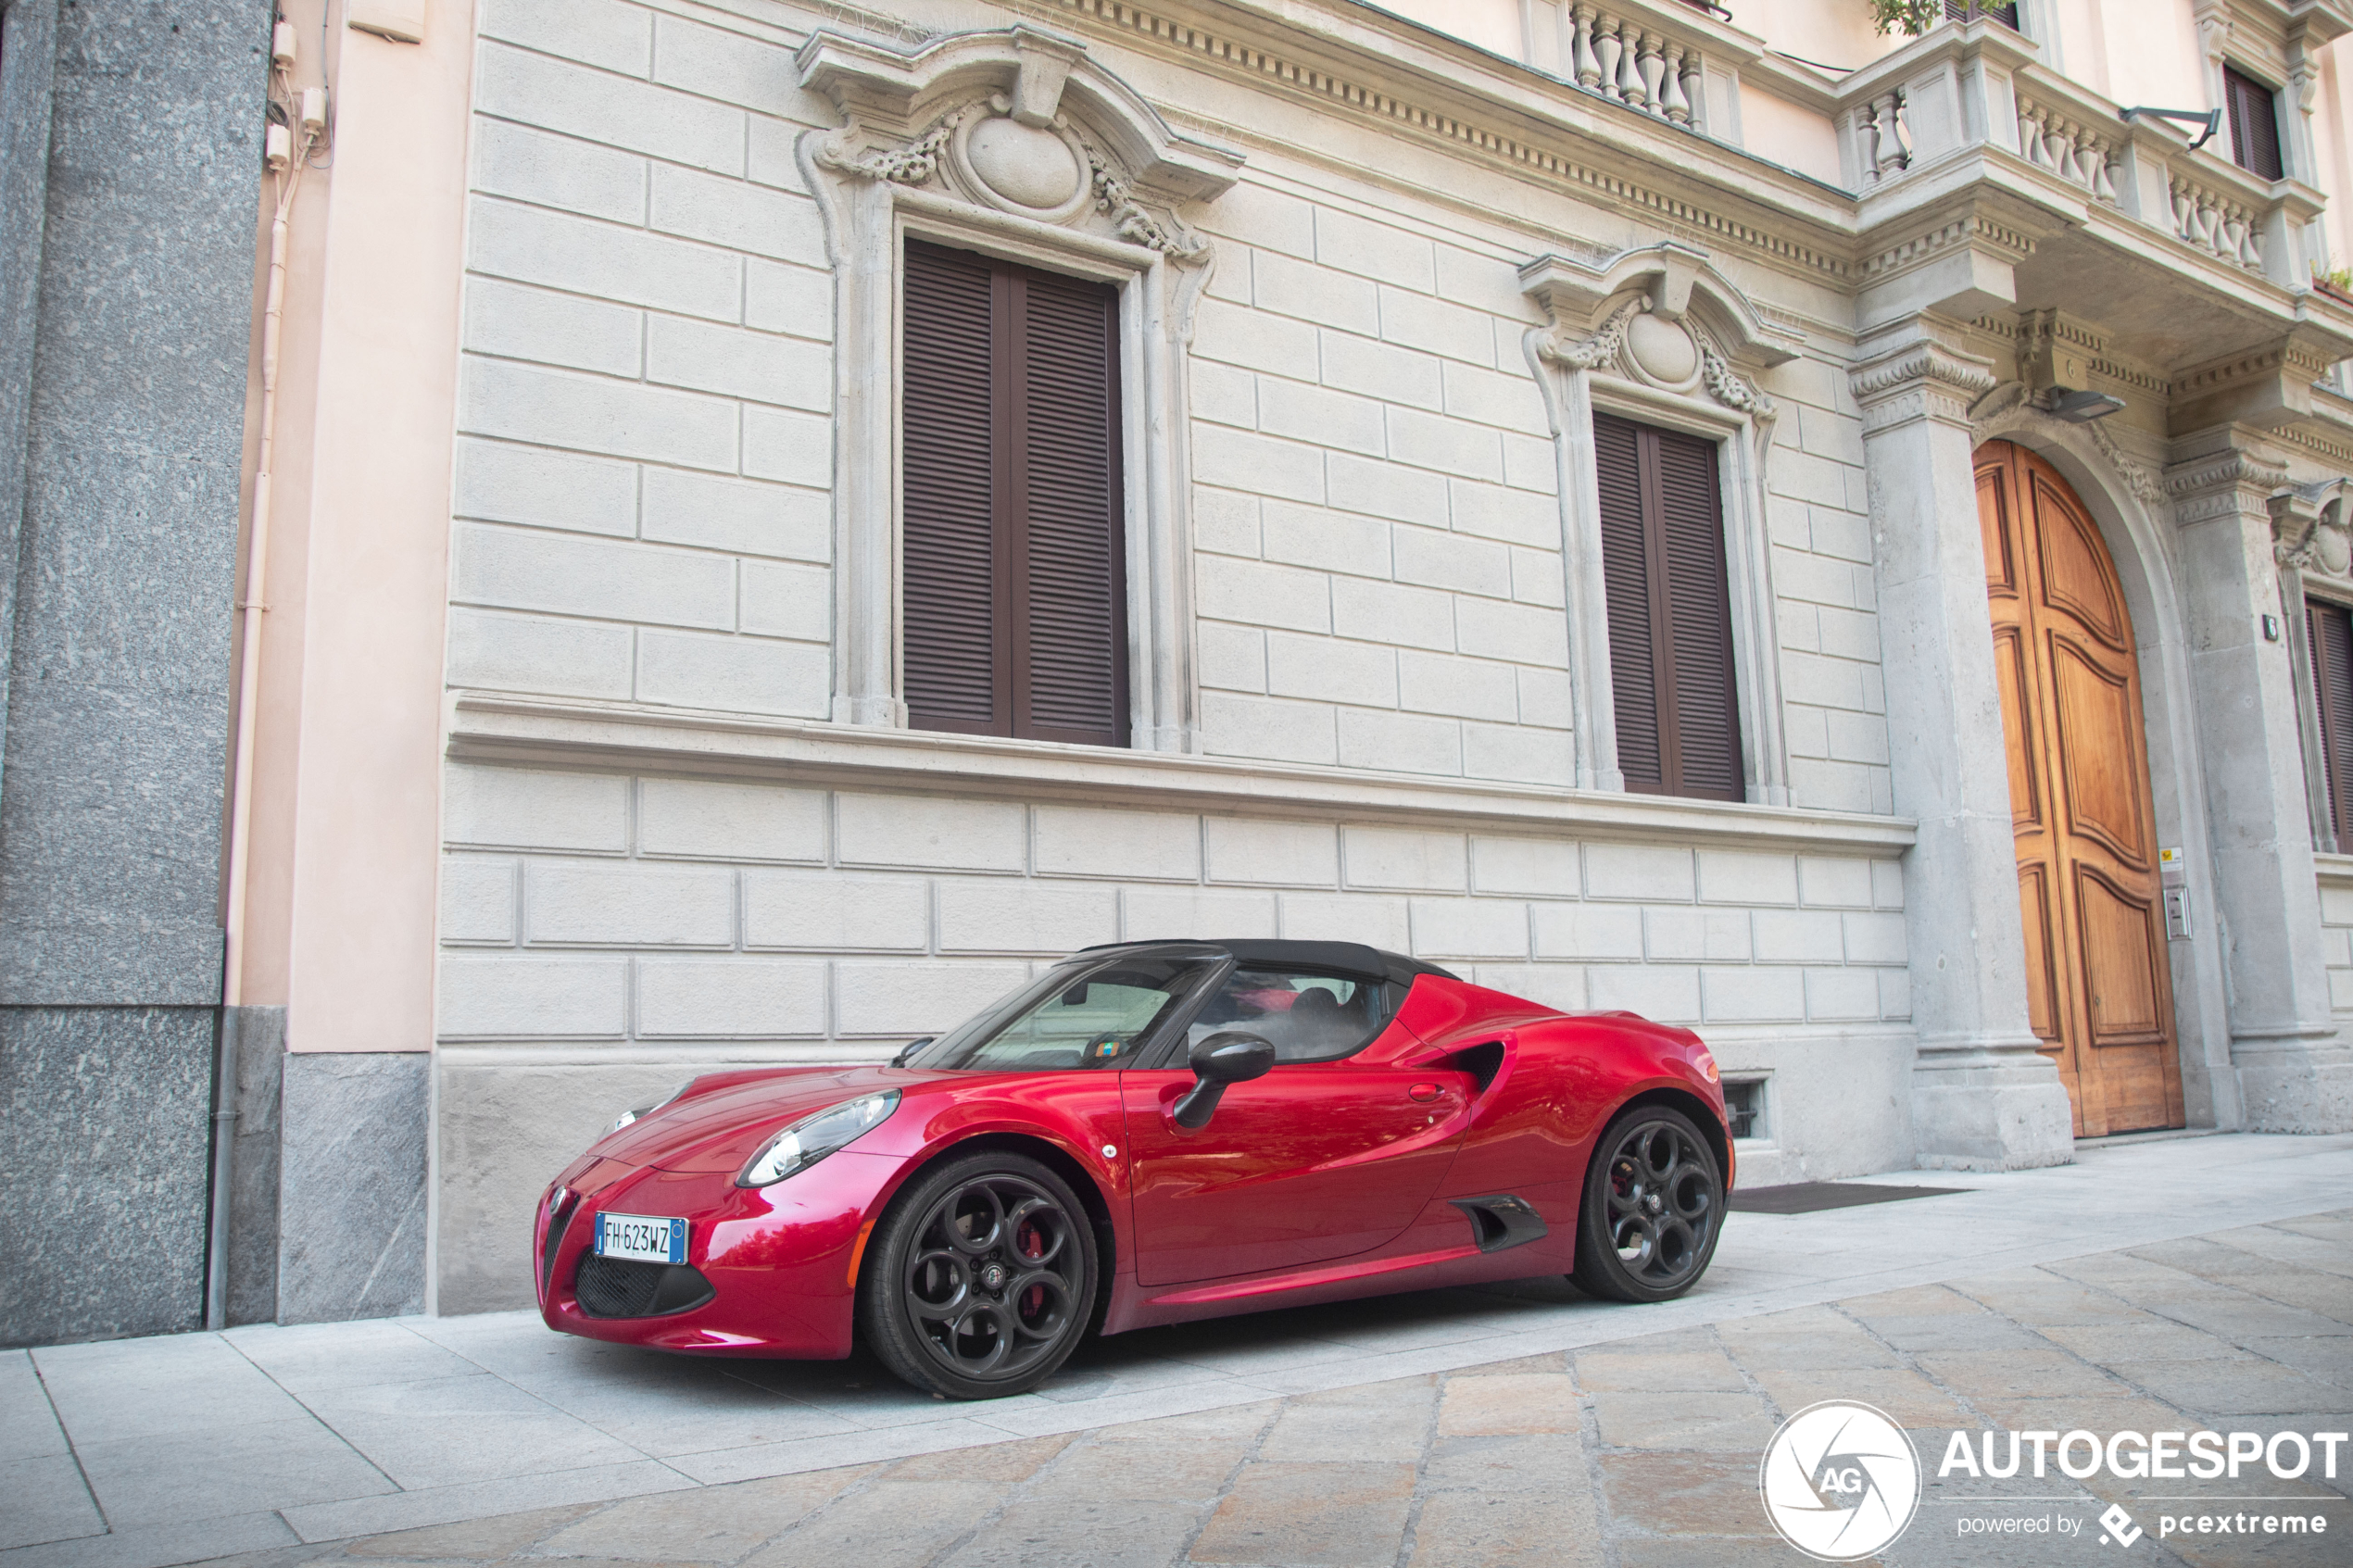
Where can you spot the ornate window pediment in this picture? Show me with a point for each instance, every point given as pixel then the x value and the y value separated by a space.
pixel 1016 143
pixel 1020 122
pixel 2313 530
pixel 1659 335
pixel 1662 316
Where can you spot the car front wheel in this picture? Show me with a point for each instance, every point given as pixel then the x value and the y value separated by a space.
pixel 1653 1204
pixel 980 1279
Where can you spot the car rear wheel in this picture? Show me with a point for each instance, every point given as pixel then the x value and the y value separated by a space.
pixel 980 1279
pixel 1653 1205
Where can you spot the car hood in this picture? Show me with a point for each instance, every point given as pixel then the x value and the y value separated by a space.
pixel 718 1129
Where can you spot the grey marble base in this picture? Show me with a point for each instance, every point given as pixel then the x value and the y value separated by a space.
pixel 351 1203
pixel 104 1188
pixel 260 1038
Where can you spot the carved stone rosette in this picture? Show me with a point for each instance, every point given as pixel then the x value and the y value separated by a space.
pixel 1676 356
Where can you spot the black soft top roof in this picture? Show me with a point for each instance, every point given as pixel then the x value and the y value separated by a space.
pixel 1348 958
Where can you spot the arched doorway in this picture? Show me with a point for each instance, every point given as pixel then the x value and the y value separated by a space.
pixel 2099 980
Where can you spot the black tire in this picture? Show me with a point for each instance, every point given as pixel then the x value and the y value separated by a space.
pixel 980 1280
pixel 1653 1208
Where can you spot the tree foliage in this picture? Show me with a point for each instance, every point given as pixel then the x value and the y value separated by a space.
pixel 1913 17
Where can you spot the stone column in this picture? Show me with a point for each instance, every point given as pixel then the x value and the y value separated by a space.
pixel 2294 1071
pixel 1983 1097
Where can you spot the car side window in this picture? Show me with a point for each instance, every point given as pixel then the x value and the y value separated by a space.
pixel 1309 1017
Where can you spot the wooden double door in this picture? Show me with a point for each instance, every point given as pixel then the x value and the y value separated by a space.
pixel 2098 975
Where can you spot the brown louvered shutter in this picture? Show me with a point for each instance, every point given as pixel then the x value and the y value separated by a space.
pixel 1073 615
pixel 1671 633
pixel 2330 629
pixel 948 551
pixel 2254 124
pixel 1706 759
pixel 1013 586
pixel 1626 580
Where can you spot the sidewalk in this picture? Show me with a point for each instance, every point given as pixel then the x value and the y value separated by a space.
pixel 1444 1428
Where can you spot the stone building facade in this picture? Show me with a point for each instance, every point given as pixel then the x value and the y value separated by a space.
pixel 586 760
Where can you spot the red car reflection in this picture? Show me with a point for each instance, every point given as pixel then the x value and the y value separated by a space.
pixel 1149 1133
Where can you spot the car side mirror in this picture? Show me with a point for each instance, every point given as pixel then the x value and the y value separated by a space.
pixel 910 1049
pixel 1233 1057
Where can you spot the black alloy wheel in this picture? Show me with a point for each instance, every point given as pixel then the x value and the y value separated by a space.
pixel 981 1278
pixel 1653 1208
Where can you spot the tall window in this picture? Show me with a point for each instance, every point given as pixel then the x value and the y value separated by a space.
pixel 1962 10
pixel 1013 594
pixel 2254 124
pixel 1670 625
pixel 2330 629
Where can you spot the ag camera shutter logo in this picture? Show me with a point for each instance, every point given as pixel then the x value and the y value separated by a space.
pixel 1840 1481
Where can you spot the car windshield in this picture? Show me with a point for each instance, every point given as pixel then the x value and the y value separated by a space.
pixel 1087 1013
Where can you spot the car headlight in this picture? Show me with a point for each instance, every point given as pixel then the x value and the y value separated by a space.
pixel 644 1111
pixel 812 1137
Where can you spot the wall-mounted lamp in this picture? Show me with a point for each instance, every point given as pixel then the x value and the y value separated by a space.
pixel 2211 119
pixel 2082 407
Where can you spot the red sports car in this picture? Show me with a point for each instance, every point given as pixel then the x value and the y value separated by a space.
pixel 1147 1134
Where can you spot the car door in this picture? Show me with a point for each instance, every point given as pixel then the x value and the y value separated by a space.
pixel 1327 1156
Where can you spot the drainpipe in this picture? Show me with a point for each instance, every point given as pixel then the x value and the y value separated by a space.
pixel 285 151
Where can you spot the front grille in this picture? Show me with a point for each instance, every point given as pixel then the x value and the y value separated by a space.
pixel 623 1288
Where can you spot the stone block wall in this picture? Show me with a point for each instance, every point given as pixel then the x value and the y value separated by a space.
pixel 642 490
pixel 1834 701
pixel 2336 929
pixel 643 515
pixel 605 935
pixel 642 476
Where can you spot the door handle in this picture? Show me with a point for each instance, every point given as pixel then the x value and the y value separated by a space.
pixel 1424 1091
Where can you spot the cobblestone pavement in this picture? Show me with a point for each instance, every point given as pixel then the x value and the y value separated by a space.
pixel 1631 1454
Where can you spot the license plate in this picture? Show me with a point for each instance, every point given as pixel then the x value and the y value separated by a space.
pixel 642 1237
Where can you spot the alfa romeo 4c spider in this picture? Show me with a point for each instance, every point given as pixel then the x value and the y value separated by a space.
pixel 1146 1133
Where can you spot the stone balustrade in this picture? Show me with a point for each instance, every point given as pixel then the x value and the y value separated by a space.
pixel 1963 93
pixel 2210 219
pixel 2066 142
pixel 1882 145
pixel 1623 52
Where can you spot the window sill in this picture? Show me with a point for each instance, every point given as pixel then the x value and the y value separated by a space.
pixel 497 727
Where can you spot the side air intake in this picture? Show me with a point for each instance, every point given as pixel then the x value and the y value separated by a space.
pixel 1501 1223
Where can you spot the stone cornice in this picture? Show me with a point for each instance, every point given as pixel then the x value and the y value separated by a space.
pixel 491 727
pixel 1562 133
pixel 1970 228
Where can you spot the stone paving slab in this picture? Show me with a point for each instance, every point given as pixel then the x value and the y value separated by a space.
pixel 1597 1457
pixel 1523 1423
